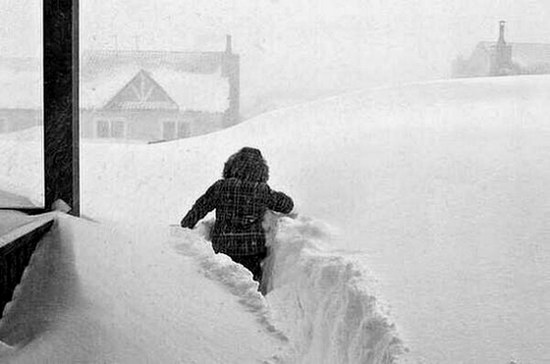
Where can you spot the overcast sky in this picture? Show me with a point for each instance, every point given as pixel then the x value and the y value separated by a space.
pixel 297 44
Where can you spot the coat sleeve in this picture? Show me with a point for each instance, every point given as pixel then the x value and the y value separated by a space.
pixel 203 206
pixel 279 202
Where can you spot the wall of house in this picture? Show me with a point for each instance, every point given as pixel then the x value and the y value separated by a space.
pixel 139 125
pixel 478 65
pixel 203 123
pixel 19 119
pixel 147 125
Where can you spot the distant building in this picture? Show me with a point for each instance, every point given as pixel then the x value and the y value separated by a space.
pixel 501 58
pixel 143 95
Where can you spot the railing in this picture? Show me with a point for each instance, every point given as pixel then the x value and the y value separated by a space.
pixel 16 249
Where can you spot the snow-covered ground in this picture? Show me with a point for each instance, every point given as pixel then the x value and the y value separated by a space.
pixel 93 295
pixel 429 207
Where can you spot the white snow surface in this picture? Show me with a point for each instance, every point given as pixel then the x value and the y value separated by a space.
pixel 326 301
pixel 439 189
pixel 93 295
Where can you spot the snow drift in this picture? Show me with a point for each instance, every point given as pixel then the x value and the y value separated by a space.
pixel 324 301
pixel 101 294
pixel 443 185
pixel 92 294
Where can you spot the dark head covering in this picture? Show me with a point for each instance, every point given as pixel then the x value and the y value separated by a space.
pixel 247 164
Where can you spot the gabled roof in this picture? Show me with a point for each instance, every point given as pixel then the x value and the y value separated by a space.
pixel 193 80
pixel 143 93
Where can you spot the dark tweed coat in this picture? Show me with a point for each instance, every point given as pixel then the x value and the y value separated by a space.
pixel 241 199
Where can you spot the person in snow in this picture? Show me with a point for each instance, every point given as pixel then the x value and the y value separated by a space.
pixel 240 198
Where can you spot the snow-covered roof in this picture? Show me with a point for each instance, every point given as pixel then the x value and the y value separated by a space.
pixel 524 54
pixel 190 91
pixel 96 91
pixel 193 80
pixel 527 54
pixel 195 91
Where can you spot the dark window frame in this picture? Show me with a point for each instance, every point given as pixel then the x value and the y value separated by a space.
pixel 61 111
pixel 60 106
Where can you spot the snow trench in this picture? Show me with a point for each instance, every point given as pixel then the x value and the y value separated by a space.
pixel 322 302
pixel 221 268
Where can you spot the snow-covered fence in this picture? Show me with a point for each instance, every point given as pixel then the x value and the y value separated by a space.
pixel 16 249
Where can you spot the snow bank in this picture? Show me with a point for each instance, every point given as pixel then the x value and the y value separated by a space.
pixel 92 294
pixel 219 267
pixel 326 301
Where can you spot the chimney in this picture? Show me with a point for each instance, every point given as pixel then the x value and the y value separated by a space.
pixel 228 44
pixel 501 32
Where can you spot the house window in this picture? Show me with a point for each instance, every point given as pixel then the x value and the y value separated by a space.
pixel 103 129
pixel 174 130
pixel 183 129
pixel 168 130
pixel 3 125
pixel 115 128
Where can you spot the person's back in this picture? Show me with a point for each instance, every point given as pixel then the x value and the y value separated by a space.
pixel 239 213
pixel 241 199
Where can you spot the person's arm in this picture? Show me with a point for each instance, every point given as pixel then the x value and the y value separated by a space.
pixel 279 202
pixel 203 206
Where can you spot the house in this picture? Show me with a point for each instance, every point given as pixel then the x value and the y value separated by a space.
pixel 502 58
pixel 144 96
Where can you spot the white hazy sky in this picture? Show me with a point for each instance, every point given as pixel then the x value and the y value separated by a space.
pixel 296 45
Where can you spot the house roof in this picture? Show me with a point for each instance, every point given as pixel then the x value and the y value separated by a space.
pixel 96 61
pixel 524 54
pixel 194 80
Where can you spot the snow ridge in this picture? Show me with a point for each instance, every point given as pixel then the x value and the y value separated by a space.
pixel 221 268
pixel 325 300
pixel 322 302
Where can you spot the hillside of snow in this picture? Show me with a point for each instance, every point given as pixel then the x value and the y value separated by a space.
pixel 431 196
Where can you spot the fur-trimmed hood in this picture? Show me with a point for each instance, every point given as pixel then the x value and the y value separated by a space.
pixel 247 164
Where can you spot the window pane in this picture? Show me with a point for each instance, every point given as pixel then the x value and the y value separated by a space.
pixel 117 129
pixel 183 129
pixel 21 133
pixel 103 129
pixel 169 130
pixel 3 126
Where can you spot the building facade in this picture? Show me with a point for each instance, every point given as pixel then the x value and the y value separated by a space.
pixel 502 58
pixel 146 96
